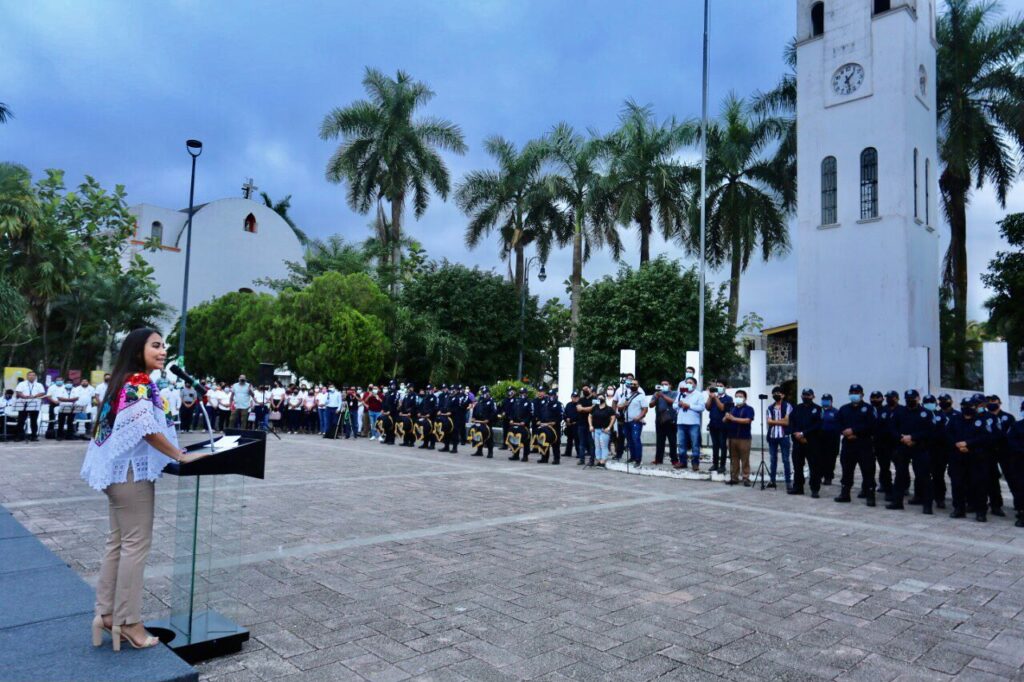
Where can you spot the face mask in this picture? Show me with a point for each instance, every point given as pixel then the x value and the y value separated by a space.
pixel 664 387
pixel 689 375
pixel 912 403
pixel 945 405
pixel 740 400
pixel 826 403
pixel 776 396
pixel 691 387
pixel 892 401
pixel 242 381
pixel 968 410
pixel 993 407
pixel 610 393
pixel 930 407
pixel 855 397
pixel 808 401
pixel 59 383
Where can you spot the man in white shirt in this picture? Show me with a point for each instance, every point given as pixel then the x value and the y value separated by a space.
pixel 172 395
pixel 83 395
pixel 690 409
pixel 8 414
pixel 29 394
pixel 101 390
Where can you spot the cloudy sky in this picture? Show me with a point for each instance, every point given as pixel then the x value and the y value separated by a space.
pixel 114 88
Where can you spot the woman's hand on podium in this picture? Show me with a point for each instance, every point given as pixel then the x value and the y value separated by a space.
pixel 187 457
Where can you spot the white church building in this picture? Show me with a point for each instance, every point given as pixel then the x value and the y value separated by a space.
pixel 235 241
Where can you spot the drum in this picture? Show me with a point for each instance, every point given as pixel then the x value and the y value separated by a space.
pixel 544 439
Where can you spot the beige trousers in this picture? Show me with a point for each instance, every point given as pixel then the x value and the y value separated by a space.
pixel 119 590
pixel 739 453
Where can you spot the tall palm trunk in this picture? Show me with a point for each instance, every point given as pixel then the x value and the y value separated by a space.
pixel 645 221
pixel 520 266
pixel 396 240
pixel 735 269
pixel 954 191
pixel 577 279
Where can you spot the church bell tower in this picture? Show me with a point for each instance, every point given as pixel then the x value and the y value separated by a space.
pixel 867 168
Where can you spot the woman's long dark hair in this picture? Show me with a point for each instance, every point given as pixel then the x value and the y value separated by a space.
pixel 130 359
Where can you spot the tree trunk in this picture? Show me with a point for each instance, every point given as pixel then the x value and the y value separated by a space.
pixel 956 256
pixel 644 220
pixel 577 280
pixel 396 241
pixel 520 265
pixel 735 270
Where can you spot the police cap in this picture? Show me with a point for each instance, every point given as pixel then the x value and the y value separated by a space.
pixel 484 389
pixel 993 398
pixel 911 393
pixel 978 398
pixel 510 392
pixel 574 394
pixel 928 398
pixel 893 394
pixel 826 396
pixel 856 388
pixel 444 387
pixel 966 402
pixel 876 394
pixel 430 387
pixel 807 393
pixel 945 396
pixel 542 388
pixel 522 390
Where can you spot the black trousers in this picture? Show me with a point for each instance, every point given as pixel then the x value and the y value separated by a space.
pixel 186 417
pixel 940 460
pixel 969 479
pixel 32 417
pixel 1013 470
pixel 571 443
pixel 65 425
pixel 620 435
pixel 828 446
pixel 919 458
pixel 884 455
pixel 460 427
pixel 806 454
pixel 663 432
pixel 506 426
pixel 410 433
pixel 719 447
pixel 858 453
pixel 995 490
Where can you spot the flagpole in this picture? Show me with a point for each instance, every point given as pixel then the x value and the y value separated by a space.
pixel 703 197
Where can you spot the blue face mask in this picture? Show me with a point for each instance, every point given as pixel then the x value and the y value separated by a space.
pixel 930 407
pixel 689 375
pixel 826 403
pixel 59 383
pixel 855 397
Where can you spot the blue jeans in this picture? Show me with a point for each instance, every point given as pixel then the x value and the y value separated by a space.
pixel 774 445
pixel 332 420
pixel 322 413
pixel 374 416
pixel 636 447
pixel 688 437
pixel 601 441
pixel 584 440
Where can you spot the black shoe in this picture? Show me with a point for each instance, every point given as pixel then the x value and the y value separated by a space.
pixel 580 462
pixel 746 483
pixel 870 500
pixel 591 463
pixel 795 491
pixel 844 495
pixel 940 504
pixel 862 494
pixel 914 501
pixel 926 509
pixel 478 453
pixel 1020 520
pixel 503 447
pixel 455 451
pixel 771 485
pixel 957 513
pixel 444 449
pixel 894 505
pixel 980 517
pixel 542 460
pixel 815 495
pixel 526 458
pixel 513 458
pixel 556 461
pixel 998 511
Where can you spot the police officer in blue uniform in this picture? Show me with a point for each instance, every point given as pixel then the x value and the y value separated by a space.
pixel 547 417
pixel 520 418
pixel 857 424
pixel 886 438
pixel 805 427
pixel 427 411
pixel 446 418
pixel 973 436
pixel 505 414
pixel 1003 422
pixel 407 415
pixel 914 427
pixel 389 407
pixel 829 438
pixel 569 417
pixel 460 404
pixel 485 413
pixel 941 446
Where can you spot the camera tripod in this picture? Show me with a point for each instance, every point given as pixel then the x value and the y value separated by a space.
pixel 762 468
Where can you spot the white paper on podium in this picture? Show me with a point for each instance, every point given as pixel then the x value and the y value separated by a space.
pixel 223 443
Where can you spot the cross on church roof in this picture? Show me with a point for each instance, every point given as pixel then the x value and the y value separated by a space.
pixel 248 189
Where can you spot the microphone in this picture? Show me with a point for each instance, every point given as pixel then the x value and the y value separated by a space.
pixel 194 383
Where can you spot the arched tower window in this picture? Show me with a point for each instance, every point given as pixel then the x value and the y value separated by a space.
pixel 927 191
pixel 916 214
pixel 250 223
pixel 869 183
pixel 156 232
pixel 817 19
pixel 882 6
pixel 828 191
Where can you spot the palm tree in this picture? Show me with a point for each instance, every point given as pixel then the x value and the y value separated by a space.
pixel 516 198
pixel 386 154
pixel 646 183
pixel 780 102
pixel 579 190
pixel 281 208
pixel 744 195
pixel 980 93
pixel 5 113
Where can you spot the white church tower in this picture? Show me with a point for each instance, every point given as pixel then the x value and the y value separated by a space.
pixel 868 266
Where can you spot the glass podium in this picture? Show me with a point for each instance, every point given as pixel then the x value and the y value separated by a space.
pixel 203 622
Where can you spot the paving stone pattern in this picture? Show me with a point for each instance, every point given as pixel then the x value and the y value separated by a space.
pixel 363 561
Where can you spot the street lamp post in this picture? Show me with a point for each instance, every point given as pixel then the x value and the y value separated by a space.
pixel 195 148
pixel 703 199
pixel 541 275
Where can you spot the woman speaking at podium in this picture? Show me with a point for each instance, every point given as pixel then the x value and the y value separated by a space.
pixel 133 441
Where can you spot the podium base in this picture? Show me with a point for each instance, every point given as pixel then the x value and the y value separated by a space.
pixel 213 635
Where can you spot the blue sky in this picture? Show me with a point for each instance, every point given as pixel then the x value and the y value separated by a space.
pixel 114 88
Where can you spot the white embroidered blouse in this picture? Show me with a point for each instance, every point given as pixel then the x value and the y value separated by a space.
pixel 118 443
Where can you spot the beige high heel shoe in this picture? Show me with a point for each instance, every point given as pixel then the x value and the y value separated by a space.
pixel 116 633
pixel 97 631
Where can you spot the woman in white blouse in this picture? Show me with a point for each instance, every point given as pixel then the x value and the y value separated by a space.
pixel 133 442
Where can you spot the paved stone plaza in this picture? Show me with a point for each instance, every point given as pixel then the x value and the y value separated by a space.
pixel 384 563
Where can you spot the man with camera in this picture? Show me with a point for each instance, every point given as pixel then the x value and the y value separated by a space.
pixel 718 405
pixel 664 403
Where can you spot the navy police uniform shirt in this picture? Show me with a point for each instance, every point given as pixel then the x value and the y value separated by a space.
pixel 485 410
pixel 915 422
pixel 830 420
pixel 858 416
pixel 548 411
pixel 805 419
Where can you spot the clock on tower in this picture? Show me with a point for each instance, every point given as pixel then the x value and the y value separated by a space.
pixel 867 248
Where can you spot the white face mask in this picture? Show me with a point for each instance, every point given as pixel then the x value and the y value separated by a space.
pixel 664 387
pixel 740 400
pixel 690 388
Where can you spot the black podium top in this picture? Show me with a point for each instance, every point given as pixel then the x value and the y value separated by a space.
pixel 247 458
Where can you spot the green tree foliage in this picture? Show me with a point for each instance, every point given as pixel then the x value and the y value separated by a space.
pixel 386 154
pixel 471 312
pixel 652 309
pixel 281 208
pixel 333 329
pixel 1005 277
pixel 333 254
pixel 5 113
pixel 230 335
pixel 556 321
pixel 980 96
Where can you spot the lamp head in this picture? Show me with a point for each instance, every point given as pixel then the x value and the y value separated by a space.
pixel 542 275
pixel 194 147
